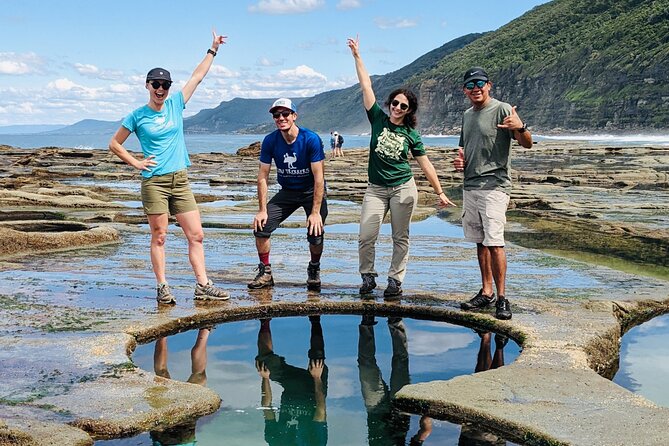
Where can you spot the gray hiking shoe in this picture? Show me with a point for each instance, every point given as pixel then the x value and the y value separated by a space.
pixel 210 292
pixel 314 276
pixel 368 283
pixel 164 295
pixel 393 290
pixel 264 277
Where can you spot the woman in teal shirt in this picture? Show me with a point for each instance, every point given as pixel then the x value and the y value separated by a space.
pixel 391 185
pixel 165 187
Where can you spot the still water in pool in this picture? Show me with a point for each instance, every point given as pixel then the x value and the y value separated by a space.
pixel 320 380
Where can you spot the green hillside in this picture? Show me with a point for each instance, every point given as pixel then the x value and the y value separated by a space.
pixel 569 65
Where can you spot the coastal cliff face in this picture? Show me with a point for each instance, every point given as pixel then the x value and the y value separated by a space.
pixel 570 65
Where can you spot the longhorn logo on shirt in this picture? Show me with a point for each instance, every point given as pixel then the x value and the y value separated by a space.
pixel 289 159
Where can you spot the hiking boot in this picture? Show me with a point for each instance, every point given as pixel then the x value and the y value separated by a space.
pixel 164 295
pixel 314 276
pixel 264 277
pixel 210 292
pixel 394 288
pixel 502 308
pixel 368 283
pixel 368 319
pixel 501 340
pixel 480 300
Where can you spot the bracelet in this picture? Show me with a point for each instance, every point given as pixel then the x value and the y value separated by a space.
pixel 212 52
pixel 439 193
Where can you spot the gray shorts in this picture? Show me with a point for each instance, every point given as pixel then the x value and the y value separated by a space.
pixel 484 216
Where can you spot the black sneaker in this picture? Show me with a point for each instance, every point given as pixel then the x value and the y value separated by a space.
pixel 502 308
pixel 368 283
pixel 314 276
pixel 480 300
pixel 264 277
pixel 394 288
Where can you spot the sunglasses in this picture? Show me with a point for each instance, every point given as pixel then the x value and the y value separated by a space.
pixel 282 114
pixel 165 84
pixel 471 85
pixel 402 105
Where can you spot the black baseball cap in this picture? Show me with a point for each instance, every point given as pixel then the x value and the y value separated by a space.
pixel 475 74
pixel 160 74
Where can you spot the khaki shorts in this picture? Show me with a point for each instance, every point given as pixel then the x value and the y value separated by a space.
pixel 484 216
pixel 168 193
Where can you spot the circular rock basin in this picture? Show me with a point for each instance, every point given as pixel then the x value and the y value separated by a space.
pixel 320 379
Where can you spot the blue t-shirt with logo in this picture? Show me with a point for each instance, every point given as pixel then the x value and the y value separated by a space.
pixel 161 134
pixel 293 161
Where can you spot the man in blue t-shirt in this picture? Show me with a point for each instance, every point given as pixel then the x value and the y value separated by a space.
pixel 298 155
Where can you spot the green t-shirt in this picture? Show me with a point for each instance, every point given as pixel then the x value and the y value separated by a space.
pixel 487 148
pixel 389 148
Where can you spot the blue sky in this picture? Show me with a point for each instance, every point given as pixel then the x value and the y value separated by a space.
pixel 64 61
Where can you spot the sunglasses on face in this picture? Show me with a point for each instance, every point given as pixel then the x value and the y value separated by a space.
pixel 282 114
pixel 157 84
pixel 471 85
pixel 401 105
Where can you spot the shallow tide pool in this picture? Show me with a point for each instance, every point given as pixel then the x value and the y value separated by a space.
pixel 320 380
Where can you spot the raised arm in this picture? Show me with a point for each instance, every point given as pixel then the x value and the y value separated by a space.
pixel 203 68
pixel 368 98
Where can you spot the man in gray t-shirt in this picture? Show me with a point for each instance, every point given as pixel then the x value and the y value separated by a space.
pixel 484 156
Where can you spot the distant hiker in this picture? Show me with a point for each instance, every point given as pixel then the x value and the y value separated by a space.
pixel 165 187
pixel 298 154
pixel 338 144
pixel 333 143
pixel 485 145
pixel 391 184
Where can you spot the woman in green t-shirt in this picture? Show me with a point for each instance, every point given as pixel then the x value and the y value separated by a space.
pixel 391 185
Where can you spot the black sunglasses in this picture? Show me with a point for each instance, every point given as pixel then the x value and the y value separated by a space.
pixel 471 85
pixel 165 84
pixel 283 114
pixel 402 105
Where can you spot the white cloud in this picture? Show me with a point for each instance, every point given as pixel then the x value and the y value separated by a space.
pixel 265 62
pixel 19 64
pixel 285 6
pixel 349 4
pixel 384 23
pixel 93 72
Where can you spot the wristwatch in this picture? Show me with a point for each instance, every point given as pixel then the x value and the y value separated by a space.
pixel 523 129
pixel 212 52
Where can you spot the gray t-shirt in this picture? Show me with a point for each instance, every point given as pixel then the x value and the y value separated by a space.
pixel 487 148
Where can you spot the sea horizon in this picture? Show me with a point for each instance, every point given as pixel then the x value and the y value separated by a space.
pixel 231 142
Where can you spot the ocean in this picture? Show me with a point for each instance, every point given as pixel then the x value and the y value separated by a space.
pixel 229 143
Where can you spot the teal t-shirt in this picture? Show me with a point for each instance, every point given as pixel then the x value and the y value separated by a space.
pixel 161 134
pixel 389 150
pixel 487 148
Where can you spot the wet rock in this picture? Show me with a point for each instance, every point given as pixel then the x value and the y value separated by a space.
pixel 252 149
pixel 36 236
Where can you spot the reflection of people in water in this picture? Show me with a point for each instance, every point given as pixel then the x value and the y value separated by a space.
pixel 385 424
pixel 469 436
pixel 302 416
pixel 184 434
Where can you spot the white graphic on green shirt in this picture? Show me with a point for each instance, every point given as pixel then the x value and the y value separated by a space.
pixel 390 145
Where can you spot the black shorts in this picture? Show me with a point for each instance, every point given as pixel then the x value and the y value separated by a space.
pixel 284 203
